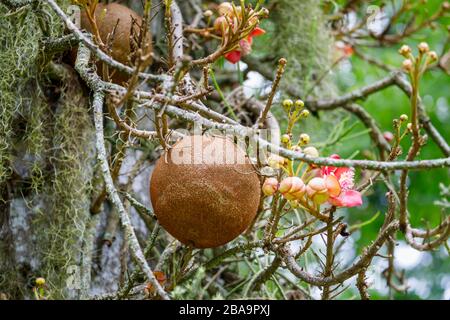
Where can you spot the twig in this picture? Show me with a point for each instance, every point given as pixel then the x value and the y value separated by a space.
pixel 281 67
pixel 114 196
pixel 362 286
pixel 87 252
pixel 262 276
pixel 361 93
pixel 329 256
pixel 230 252
pixel 125 290
pixel 427 246
pixel 370 123
pixel 139 206
pixel 177 31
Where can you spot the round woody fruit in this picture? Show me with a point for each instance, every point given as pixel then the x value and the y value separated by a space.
pixel 116 21
pixel 204 191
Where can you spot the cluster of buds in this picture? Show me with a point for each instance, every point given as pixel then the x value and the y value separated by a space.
pixel 411 63
pixel 295 111
pixel 243 23
pixel 397 124
pixel 328 184
pixel 314 186
pixel 296 107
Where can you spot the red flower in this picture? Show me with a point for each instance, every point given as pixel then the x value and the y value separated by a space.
pixel 245 46
pixel 340 183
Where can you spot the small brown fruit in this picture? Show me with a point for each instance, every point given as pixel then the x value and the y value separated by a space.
pixel 204 191
pixel 107 17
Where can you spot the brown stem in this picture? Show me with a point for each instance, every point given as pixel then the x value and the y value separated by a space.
pixel 329 257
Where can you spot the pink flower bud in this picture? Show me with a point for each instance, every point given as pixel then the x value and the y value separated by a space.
pixel 225 8
pixel 238 12
pixel 292 188
pixel 423 47
pixel 389 136
pixel 316 185
pixel 433 55
pixel 221 25
pixel 254 20
pixel 317 190
pixel 270 186
pixel 246 47
pixel 320 198
pixel 405 50
pixel 407 65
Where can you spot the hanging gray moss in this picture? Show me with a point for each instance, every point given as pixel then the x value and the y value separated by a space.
pixel 301 36
pixel 19 43
pixel 298 32
pixel 67 192
pixel 46 157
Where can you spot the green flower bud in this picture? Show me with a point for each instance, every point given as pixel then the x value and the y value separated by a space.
pixel 304 139
pixel 299 104
pixel 304 114
pixel 285 139
pixel 40 282
pixel 287 104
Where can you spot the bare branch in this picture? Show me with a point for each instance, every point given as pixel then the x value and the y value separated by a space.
pixel 363 261
pixel 82 61
pixel 361 93
pixel 427 245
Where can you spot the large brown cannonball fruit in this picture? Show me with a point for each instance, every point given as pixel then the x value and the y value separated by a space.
pixel 107 17
pixel 210 202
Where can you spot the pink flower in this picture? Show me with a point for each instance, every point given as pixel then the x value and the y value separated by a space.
pixel 340 183
pixel 245 46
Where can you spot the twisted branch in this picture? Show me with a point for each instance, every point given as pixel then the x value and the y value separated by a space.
pixel 363 261
pixel 81 65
